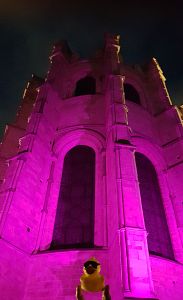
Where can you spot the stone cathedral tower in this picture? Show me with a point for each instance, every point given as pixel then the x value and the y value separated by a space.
pixel 93 166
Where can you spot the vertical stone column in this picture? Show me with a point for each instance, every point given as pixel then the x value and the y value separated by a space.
pixel 137 281
pixel 26 182
pixel 11 158
pixel 132 243
pixel 111 53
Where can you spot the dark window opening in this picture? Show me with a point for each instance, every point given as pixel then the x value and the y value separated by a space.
pixel 131 93
pixel 74 222
pixel 158 238
pixel 85 86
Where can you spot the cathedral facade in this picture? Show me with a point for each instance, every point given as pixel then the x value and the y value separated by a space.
pixel 93 167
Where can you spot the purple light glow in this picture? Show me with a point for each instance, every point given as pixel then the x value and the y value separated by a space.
pixel 39 197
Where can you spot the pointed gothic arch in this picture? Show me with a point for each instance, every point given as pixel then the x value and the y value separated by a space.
pixel 62 145
pixel 74 221
pixel 159 242
pixel 131 93
pixel 85 86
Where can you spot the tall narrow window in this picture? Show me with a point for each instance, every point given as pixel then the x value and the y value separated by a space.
pixel 74 223
pixel 131 93
pixel 159 242
pixel 85 86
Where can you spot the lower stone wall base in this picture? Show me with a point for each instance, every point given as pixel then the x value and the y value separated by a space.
pixel 137 298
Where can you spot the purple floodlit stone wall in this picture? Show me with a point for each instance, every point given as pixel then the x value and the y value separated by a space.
pixel 56 275
pixel 82 105
pixel 14 267
pixel 167 278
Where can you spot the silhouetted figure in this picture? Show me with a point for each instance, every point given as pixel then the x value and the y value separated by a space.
pixel 78 293
pixel 106 294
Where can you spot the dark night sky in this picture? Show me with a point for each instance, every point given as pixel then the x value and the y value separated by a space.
pixel 28 30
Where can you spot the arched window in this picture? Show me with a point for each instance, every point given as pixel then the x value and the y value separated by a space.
pixel 131 93
pixel 158 238
pixel 85 86
pixel 74 223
